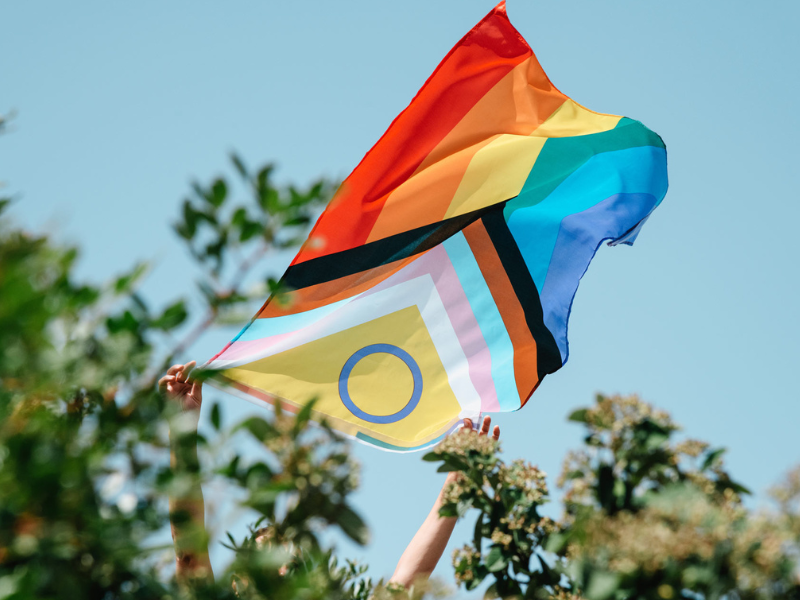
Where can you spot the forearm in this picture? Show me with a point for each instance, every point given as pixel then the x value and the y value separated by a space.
pixel 427 546
pixel 187 515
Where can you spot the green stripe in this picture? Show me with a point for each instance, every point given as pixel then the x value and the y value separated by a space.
pixel 560 157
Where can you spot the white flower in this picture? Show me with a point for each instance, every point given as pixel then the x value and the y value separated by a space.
pixel 127 502
pixel 112 485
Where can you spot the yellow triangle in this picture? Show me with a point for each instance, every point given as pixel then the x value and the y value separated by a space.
pixel 379 384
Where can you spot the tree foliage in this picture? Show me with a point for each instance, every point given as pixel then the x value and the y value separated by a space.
pixel 643 517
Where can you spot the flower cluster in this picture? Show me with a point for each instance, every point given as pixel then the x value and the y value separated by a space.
pixel 501 538
pixel 623 413
pixel 648 540
pixel 692 448
pixel 525 477
pixel 688 528
pixel 460 486
pixel 559 593
pixel 465 562
pixel 464 442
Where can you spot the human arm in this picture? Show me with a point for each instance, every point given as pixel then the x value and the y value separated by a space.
pixel 427 546
pixel 187 509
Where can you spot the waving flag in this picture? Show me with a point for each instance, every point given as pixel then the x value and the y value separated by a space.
pixel 438 282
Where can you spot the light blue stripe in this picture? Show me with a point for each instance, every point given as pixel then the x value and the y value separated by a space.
pixel 261 328
pixel 489 320
pixel 386 445
pixel 535 228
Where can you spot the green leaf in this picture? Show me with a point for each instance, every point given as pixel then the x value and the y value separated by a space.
pixel 124 283
pixel 249 230
pixel 579 416
pixel 215 416
pixel 189 220
pixel 183 231
pixel 232 468
pixel 259 428
pixel 713 457
pixel 239 217
pixel 352 525
pixel 124 322
pixel 304 415
pixel 477 533
pixel 299 220
pixel 602 585
pixel 218 193
pixel 651 435
pixel 207 217
pixel 605 488
pixel 463 506
pixel 556 542
pixel 737 487
pixel 173 315
pixel 432 457
pixel 495 561
pixel 451 463
pixel 620 493
pixel 239 165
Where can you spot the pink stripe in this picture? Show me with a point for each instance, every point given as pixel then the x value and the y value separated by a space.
pixel 437 263
pixel 242 350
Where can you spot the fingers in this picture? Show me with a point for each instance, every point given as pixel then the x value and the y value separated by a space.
pixel 486 426
pixel 174 369
pixel 189 367
pixel 183 374
pixel 166 379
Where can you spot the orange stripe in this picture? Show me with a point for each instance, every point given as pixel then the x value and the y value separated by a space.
pixel 425 197
pixel 525 371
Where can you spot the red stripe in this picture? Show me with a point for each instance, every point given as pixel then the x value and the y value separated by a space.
pixel 482 58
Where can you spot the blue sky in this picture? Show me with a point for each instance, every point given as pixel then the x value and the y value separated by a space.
pixel 120 105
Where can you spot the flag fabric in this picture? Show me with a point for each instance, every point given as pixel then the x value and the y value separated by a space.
pixel 438 282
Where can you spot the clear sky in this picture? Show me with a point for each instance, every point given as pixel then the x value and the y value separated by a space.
pixel 120 105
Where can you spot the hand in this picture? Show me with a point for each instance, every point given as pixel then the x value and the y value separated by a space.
pixel 487 423
pixel 177 385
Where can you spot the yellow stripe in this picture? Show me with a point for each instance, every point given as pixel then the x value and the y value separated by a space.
pixel 571 119
pixel 496 173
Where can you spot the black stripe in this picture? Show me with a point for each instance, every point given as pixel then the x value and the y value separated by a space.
pixel 548 356
pixel 377 253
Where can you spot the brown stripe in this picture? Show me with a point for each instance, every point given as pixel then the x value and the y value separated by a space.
pixel 525 365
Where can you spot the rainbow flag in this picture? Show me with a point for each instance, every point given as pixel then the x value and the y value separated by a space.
pixel 438 283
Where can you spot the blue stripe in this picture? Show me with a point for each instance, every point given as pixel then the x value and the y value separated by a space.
pixel 489 320
pixel 261 328
pixel 641 170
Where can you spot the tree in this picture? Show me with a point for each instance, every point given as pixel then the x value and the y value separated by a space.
pixel 84 473
pixel 644 517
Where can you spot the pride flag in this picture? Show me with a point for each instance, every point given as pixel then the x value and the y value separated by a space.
pixel 438 283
